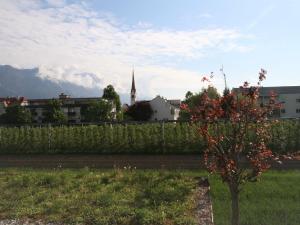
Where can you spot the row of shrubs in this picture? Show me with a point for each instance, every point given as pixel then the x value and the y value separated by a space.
pixel 156 138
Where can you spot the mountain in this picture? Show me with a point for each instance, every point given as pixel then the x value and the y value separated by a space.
pixel 27 83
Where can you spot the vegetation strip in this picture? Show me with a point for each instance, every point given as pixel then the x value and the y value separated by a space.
pixel 152 138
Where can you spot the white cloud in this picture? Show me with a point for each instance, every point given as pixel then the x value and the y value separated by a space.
pixel 74 43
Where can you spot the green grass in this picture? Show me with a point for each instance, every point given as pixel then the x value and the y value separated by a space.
pixel 274 200
pixel 137 197
pixel 98 197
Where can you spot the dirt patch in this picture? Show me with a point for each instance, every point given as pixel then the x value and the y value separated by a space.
pixel 24 222
pixel 204 211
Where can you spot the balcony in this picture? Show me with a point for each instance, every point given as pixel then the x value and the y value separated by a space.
pixel 71 113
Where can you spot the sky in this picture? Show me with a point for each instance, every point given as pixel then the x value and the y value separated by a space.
pixel 171 44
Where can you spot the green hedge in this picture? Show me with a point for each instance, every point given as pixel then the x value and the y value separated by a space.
pixel 152 138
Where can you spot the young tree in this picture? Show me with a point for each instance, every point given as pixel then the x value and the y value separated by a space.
pixel 140 111
pixel 110 94
pixel 236 128
pixel 16 114
pixel 53 113
pixel 98 111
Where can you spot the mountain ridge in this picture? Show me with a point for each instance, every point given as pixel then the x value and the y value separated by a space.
pixel 27 82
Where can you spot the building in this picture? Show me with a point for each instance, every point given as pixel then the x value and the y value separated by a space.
pixel 133 91
pixel 5 102
pixel 288 96
pixel 164 109
pixel 72 108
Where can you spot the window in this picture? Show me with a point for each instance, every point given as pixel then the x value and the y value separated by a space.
pixel 282 110
pixel 297 110
pixel 298 100
pixel 172 111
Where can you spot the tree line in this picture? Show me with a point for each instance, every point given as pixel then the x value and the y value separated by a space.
pixel 93 112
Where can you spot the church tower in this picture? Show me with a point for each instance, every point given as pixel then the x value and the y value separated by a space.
pixel 133 90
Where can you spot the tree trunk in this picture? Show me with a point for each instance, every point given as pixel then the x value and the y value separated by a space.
pixel 235 211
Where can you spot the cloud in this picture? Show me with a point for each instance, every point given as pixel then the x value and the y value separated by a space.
pixel 75 43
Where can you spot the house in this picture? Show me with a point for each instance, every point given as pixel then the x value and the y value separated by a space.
pixel 5 102
pixel 288 96
pixel 163 109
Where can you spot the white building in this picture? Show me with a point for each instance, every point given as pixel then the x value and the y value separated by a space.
pixel 288 96
pixel 164 109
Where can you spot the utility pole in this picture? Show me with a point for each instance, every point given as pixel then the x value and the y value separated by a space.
pixel 224 75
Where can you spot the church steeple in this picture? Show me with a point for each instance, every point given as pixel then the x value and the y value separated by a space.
pixel 133 90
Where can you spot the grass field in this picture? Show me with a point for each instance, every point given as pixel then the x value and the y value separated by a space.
pixel 141 197
pixel 123 197
pixel 275 200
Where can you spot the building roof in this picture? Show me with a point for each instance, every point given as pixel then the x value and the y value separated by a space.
pixel 67 99
pixel 14 100
pixel 175 102
pixel 265 91
pixel 35 103
pixel 280 90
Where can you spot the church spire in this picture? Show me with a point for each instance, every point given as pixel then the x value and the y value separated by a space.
pixel 133 83
pixel 133 90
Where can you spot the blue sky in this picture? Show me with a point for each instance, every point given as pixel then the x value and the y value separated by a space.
pixel 272 26
pixel 171 43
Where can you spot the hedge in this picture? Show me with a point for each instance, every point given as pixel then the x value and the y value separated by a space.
pixel 151 138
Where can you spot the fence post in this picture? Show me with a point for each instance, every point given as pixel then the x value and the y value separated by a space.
pixel 49 136
pixel 0 135
pixel 163 134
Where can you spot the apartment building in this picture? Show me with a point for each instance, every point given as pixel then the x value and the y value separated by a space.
pixel 72 108
pixel 288 96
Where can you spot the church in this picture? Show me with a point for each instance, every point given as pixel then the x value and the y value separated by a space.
pixel 163 109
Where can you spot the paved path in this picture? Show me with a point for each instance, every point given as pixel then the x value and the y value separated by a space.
pixel 110 161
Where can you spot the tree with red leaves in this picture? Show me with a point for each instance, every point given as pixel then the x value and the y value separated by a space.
pixel 236 128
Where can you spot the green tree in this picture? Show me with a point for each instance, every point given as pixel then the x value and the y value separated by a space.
pixel 193 100
pixel 98 111
pixel 53 113
pixel 109 93
pixel 140 111
pixel 16 114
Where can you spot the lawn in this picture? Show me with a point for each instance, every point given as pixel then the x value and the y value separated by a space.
pixel 109 197
pixel 274 200
pixel 140 197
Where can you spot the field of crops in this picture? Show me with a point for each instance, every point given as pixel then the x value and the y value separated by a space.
pixel 151 138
